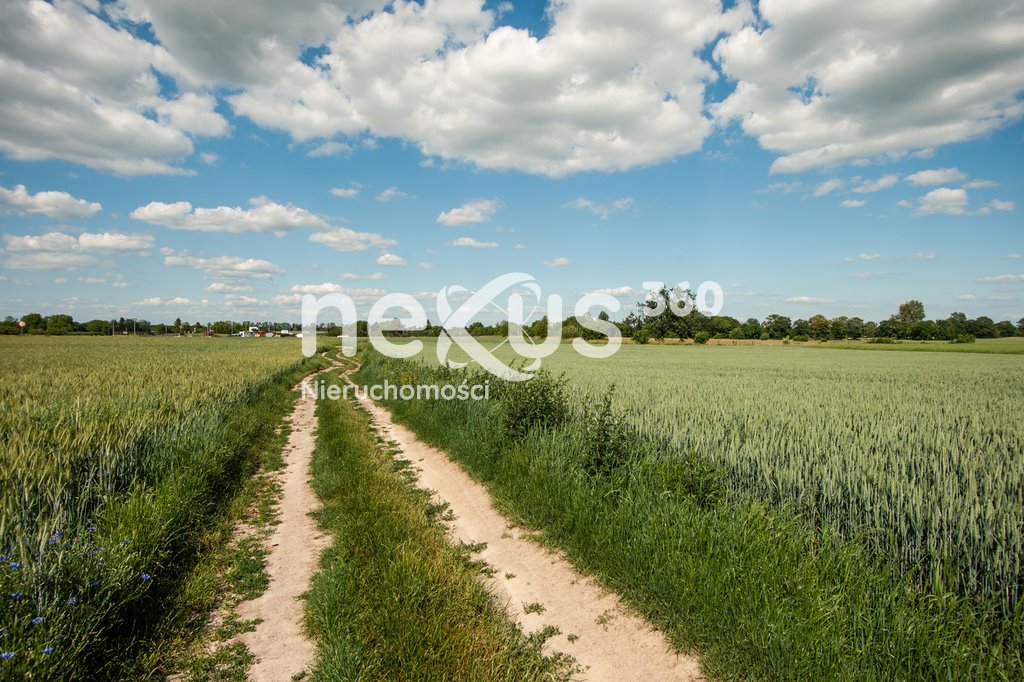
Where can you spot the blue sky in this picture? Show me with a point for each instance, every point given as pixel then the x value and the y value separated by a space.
pixel 809 159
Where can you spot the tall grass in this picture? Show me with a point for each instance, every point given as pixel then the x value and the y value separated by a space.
pixel 115 452
pixel 919 456
pixel 728 560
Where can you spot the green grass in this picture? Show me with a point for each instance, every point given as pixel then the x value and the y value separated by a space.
pixel 1012 346
pixel 141 448
pixel 744 579
pixel 191 637
pixel 393 600
pixel 919 455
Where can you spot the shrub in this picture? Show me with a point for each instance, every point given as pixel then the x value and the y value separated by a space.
pixel 737 333
pixel 964 338
pixel 541 401
pixel 607 442
pixel 882 339
pixel 701 337
pixel 801 338
pixel 641 336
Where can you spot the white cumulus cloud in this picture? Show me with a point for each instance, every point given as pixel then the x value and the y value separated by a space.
pixel 943 201
pixel 807 299
pixel 226 267
pixel 624 290
pixel 936 176
pixel 602 210
pixel 58 251
pixel 52 204
pixel 262 216
pixel 871 186
pixel 390 259
pixel 473 243
pixel 470 213
pixel 608 87
pixel 827 187
pixel 349 192
pixel 831 81
pixel 347 240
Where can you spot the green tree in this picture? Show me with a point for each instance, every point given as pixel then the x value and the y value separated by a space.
pixel 97 326
pixel 1005 328
pixel 923 330
pixel 910 312
pixel 982 327
pixel 956 324
pixel 59 325
pixel 9 326
pixel 33 322
pixel 819 327
pixel 839 328
pixel 778 326
pixel 893 328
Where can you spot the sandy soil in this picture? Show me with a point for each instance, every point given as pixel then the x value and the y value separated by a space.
pixel 610 643
pixel 279 642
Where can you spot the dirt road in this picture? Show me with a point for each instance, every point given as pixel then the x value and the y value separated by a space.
pixel 609 641
pixel 279 641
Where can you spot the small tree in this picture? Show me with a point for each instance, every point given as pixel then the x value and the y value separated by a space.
pixel 701 337
pixel 911 311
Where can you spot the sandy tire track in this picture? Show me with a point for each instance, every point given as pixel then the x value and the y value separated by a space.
pixel 611 642
pixel 279 642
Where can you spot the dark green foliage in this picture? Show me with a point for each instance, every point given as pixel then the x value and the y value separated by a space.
pixel 608 445
pixel 701 337
pixel 540 402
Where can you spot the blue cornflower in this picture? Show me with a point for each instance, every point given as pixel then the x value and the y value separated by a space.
pixel 91 529
pixel 145 577
pixel 91 552
pixel 72 601
pixel 53 540
pixel 6 655
pixel 15 565
pixel 37 620
pixel 48 650
pixel 17 595
pixel 94 582
pixel 125 543
pixel 4 557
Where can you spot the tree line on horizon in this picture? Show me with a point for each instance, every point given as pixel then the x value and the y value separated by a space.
pixel 909 322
